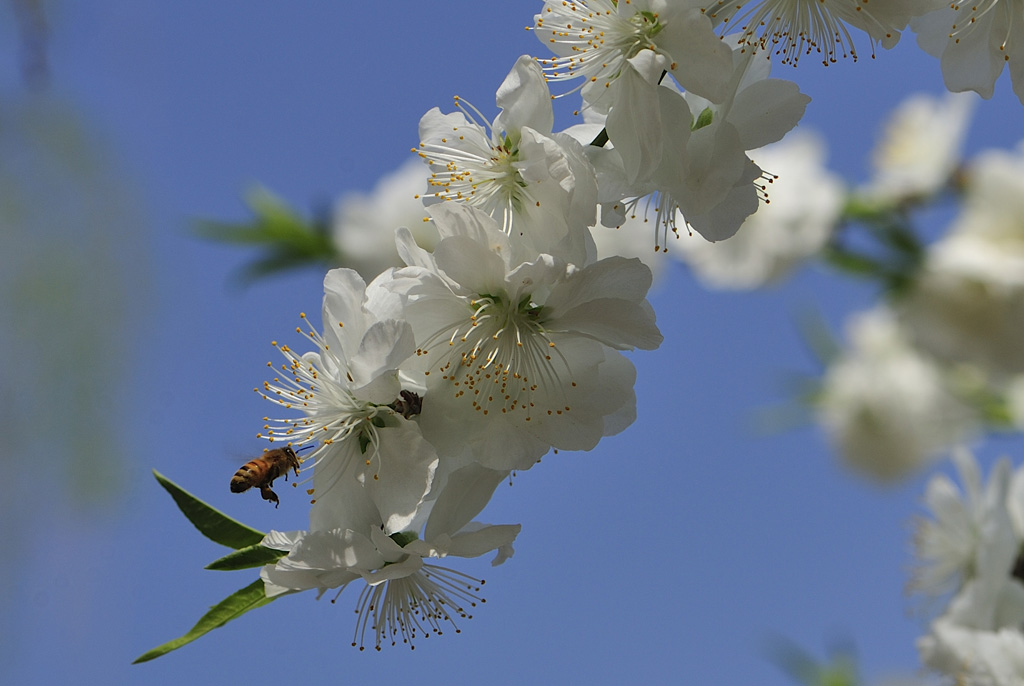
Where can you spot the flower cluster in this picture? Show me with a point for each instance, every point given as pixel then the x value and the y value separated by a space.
pixel 433 382
pixel 485 323
pixel 425 389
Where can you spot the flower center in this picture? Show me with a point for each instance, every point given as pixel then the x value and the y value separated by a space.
pixel 478 166
pixel 791 28
pixel 501 357
pixel 592 39
pixel 419 604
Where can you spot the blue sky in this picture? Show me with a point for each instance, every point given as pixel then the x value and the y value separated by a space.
pixel 673 553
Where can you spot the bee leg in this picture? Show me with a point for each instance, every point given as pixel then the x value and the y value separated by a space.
pixel 269 495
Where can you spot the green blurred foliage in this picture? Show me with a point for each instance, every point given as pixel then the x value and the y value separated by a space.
pixel 72 268
pixel 288 241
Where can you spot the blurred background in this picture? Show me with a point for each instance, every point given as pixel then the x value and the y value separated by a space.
pixel 681 551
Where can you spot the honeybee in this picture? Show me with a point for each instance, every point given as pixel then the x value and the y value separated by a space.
pixel 409 404
pixel 261 472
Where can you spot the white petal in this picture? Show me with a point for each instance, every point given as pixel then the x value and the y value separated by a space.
pixel 343 303
pixel 612 277
pixel 970 63
pixel 410 251
pixel 470 264
pixel 524 99
pixel 702 61
pixel 765 111
pixel 456 219
pixel 634 125
pixel 403 475
pixel 467 492
pixel 373 367
pixel 484 540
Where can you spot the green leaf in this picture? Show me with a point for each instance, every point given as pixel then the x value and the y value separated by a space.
pixel 245 558
pixel 235 605
pixel 703 119
pixel 211 522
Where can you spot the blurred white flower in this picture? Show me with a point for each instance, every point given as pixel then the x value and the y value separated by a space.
pixel 967 304
pixel 972 533
pixel 804 204
pixel 921 146
pixel 973 657
pixel 364 224
pixel 885 406
pixel 974 41
pixel 1000 660
pixel 972 547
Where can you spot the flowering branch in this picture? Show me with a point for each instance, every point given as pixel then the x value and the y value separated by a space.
pixel 484 326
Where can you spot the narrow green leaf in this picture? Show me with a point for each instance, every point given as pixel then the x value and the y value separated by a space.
pixel 245 558
pixel 224 232
pixel 211 522
pixel 235 605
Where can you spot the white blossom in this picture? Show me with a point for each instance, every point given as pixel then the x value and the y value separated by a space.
pixel 973 657
pixel 805 203
pixel 1000 660
pixel 690 152
pixel 595 39
pixel 348 391
pixel 887 407
pixel 537 184
pixel 521 354
pixel 973 547
pixel 407 595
